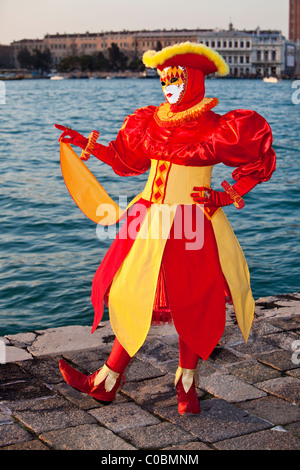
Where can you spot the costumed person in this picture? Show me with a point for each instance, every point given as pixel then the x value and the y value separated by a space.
pixel 146 280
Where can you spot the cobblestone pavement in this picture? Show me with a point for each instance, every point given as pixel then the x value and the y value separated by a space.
pixel 249 393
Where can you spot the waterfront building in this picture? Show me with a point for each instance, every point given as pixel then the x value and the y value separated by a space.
pixel 294 20
pixel 235 46
pixel 273 54
pixel 253 53
pixel 30 45
pixel 248 53
pixel 63 45
pixel 132 43
pixel 159 39
pixel 294 30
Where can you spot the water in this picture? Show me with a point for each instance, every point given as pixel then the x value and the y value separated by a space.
pixel 49 250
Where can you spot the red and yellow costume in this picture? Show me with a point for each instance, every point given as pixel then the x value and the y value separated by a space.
pixel 145 279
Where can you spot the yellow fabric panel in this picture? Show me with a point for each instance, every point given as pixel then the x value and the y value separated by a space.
pixel 180 182
pixel 86 191
pixel 133 289
pixel 236 272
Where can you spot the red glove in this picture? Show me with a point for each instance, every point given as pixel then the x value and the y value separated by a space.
pixel 211 198
pixel 74 137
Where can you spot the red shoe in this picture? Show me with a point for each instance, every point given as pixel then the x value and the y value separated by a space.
pixel 187 398
pixel 102 385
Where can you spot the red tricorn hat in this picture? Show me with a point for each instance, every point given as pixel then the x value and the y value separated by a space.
pixel 188 54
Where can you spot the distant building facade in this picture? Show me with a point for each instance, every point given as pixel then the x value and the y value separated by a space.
pixel 253 53
pixel 294 30
pixel 235 46
pixel 26 44
pixel 294 21
pixel 248 53
pixel 273 54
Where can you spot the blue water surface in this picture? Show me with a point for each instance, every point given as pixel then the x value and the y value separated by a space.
pixel 49 251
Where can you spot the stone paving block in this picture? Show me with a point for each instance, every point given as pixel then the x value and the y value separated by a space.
pixel 85 437
pixel 22 340
pixel 5 417
pixel 218 420
pixel 282 340
pixel 16 391
pixel 280 360
pixel 67 338
pixel 294 373
pixel 204 369
pixel 162 331
pixel 82 400
pixel 229 388
pixel 286 323
pixel 265 440
pixel 88 360
pixel 156 352
pixel 222 357
pixel 28 445
pixel 14 354
pixel 12 434
pixel 169 367
pixel 157 436
pixel 264 328
pixel 152 393
pixel 191 446
pixel 273 409
pixel 232 334
pixel 45 369
pixel 138 370
pixel 294 428
pixel 255 347
pixel 155 393
pixel 48 414
pixel 12 373
pixel 118 417
pixel 287 388
pixel 170 340
pixel 253 372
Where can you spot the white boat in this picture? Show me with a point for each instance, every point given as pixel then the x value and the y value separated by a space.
pixel 150 73
pixel 271 80
pixel 57 77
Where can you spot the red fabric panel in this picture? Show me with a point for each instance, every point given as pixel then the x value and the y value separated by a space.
pixel 187 358
pixel 161 308
pixel 195 286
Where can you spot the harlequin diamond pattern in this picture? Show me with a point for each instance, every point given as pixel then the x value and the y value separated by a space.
pixel 160 181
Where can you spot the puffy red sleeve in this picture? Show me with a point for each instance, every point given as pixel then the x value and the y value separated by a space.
pixel 244 140
pixel 126 154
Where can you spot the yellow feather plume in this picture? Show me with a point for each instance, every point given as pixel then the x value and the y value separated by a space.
pixel 152 59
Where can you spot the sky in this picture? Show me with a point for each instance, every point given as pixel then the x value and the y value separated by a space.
pixel 32 19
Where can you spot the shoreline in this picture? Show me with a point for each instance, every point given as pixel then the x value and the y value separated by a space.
pixel 27 75
pixel 249 393
pixel 39 342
